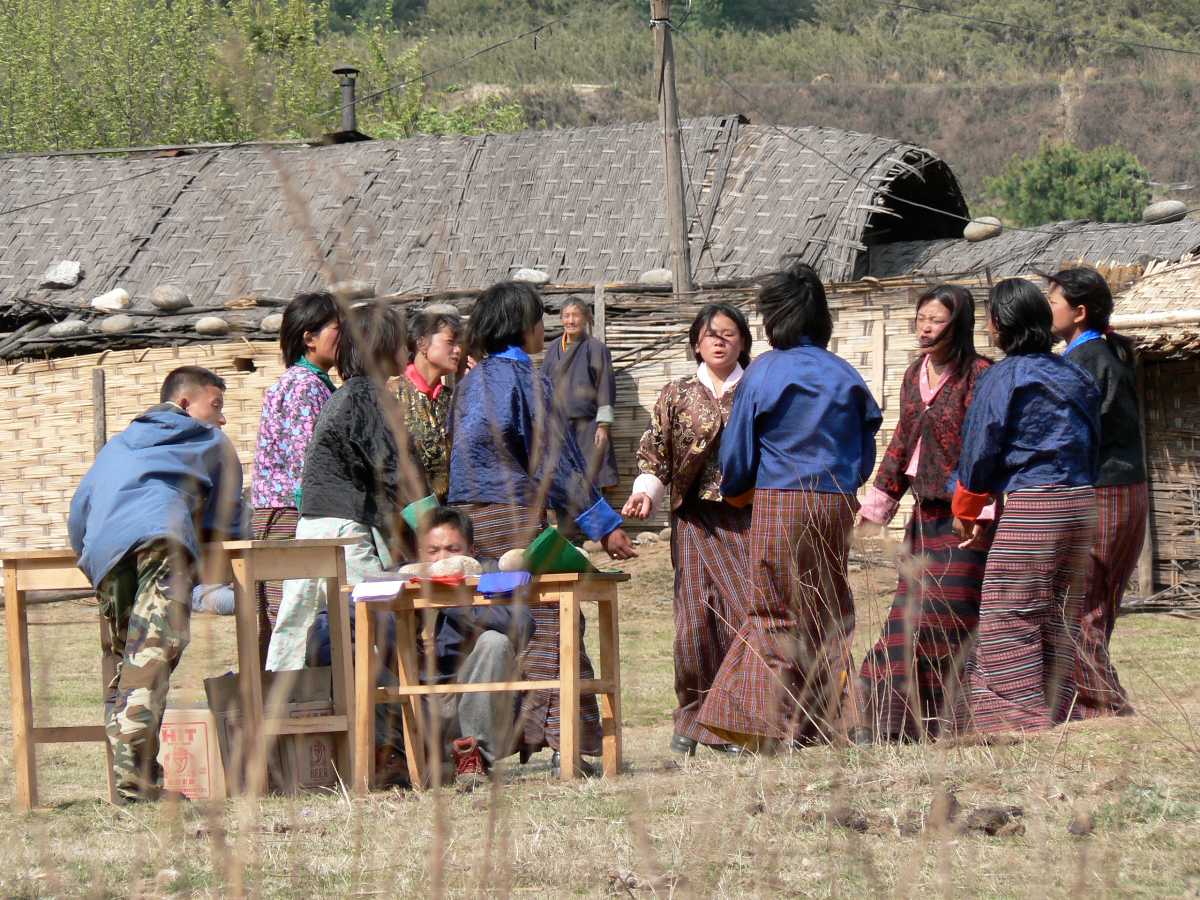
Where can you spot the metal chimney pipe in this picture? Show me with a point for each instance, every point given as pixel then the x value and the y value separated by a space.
pixel 349 107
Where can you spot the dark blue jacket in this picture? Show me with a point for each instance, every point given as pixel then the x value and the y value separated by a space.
pixel 1035 421
pixel 803 419
pixel 164 476
pixel 510 446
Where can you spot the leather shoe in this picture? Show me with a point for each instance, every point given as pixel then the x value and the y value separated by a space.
pixel 729 749
pixel 683 745
pixel 586 769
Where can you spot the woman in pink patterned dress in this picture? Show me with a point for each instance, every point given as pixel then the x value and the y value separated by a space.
pixel 309 341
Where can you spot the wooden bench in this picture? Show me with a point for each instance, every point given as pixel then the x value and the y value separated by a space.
pixel 567 591
pixel 245 563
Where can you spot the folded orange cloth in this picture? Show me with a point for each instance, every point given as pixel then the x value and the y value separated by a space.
pixel 967 505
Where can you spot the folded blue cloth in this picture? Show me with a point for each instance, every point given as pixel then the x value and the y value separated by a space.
pixel 492 584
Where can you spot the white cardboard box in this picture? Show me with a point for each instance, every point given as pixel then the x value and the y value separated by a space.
pixel 189 754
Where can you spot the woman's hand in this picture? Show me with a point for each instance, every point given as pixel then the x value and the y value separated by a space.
pixel 601 439
pixel 638 506
pixel 973 534
pixel 865 527
pixel 618 545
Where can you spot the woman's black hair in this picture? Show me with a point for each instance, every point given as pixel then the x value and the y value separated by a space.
pixel 704 320
pixel 1083 286
pixel 372 336
pixel 1021 314
pixel 501 317
pixel 427 323
pixel 306 314
pixel 959 336
pixel 793 306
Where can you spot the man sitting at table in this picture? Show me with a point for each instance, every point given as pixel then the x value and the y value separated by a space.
pixel 156 490
pixel 473 645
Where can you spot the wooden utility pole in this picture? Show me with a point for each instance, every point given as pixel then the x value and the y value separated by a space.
pixel 99 411
pixel 668 113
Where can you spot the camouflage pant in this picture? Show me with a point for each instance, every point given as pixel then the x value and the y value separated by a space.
pixel 146 599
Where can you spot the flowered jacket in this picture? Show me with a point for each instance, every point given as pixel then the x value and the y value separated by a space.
pixel 289 415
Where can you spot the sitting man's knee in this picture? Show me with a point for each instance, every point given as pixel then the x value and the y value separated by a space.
pixel 493 643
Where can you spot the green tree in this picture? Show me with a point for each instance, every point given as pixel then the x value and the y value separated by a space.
pixel 1061 181
pixel 113 73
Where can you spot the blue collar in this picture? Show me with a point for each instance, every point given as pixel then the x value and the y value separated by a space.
pixel 1089 335
pixel 802 342
pixel 513 352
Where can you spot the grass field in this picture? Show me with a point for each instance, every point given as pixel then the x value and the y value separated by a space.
pixel 825 822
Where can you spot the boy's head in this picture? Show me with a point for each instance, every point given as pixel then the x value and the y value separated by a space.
pixel 446 531
pixel 198 392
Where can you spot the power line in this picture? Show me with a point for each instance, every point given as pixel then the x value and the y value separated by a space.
pixel 1061 33
pixel 336 109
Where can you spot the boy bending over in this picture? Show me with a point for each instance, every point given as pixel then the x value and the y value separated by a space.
pixel 136 523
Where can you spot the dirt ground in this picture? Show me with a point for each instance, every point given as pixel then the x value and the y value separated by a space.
pixel 831 821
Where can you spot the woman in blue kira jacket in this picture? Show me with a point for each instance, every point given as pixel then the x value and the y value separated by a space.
pixel 801 437
pixel 513 456
pixel 1032 436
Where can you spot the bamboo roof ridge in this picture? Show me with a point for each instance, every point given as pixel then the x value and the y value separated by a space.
pixel 248 227
pixel 1161 312
pixel 1046 247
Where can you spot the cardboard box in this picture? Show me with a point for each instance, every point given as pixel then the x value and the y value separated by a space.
pixel 294 761
pixel 309 759
pixel 189 754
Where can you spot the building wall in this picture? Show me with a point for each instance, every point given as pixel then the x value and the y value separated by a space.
pixel 47 423
pixel 46 420
pixel 1172 404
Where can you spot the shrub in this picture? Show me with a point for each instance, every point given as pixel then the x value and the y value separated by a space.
pixel 1061 181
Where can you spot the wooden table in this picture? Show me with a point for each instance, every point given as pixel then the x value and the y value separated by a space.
pixel 245 563
pixel 567 591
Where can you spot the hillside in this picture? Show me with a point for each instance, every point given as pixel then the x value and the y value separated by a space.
pixel 979 81
pixel 975 127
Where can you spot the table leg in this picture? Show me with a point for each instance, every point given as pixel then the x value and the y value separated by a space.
pixel 341 660
pixel 365 674
pixel 409 675
pixel 568 674
pixel 108 670
pixel 21 696
pixel 254 744
pixel 610 670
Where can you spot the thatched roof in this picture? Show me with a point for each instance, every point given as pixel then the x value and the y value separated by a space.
pixel 1161 312
pixel 582 205
pixel 1046 247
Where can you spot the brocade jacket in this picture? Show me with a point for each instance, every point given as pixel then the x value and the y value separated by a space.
pixel 938 427
pixel 426 411
pixel 681 448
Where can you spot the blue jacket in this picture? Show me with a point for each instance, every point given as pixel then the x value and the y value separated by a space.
pixel 1035 421
pixel 511 446
pixel 802 419
pixel 159 478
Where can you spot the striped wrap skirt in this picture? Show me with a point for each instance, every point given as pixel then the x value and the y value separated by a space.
pixel 912 678
pixel 710 555
pixel 1021 674
pixel 500 527
pixel 1120 532
pixel 787 674
pixel 270 524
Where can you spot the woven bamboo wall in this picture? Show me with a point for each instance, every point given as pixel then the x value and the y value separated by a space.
pixel 1172 397
pixel 47 425
pixel 47 430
